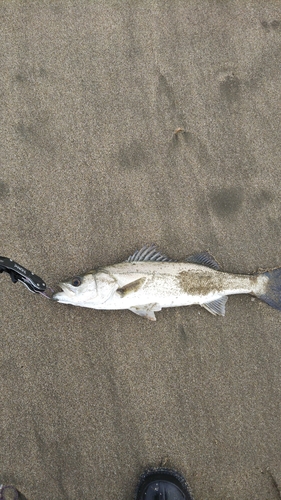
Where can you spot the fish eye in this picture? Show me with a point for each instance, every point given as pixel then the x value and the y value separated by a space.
pixel 76 281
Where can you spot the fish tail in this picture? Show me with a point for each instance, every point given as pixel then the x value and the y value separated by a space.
pixel 272 292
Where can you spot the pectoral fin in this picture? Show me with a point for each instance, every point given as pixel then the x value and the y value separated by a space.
pixel 146 311
pixel 134 286
pixel 217 307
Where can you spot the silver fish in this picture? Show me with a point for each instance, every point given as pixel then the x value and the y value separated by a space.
pixel 149 281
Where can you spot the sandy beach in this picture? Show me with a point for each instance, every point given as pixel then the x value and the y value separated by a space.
pixel 126 123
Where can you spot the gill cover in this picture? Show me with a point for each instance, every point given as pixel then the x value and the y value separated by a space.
pixel 89 290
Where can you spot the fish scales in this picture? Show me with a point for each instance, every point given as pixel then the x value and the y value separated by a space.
pixel 178 283
pixel 149 281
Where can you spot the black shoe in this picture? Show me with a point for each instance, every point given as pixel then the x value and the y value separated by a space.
pixel 8 492
pixel 162 484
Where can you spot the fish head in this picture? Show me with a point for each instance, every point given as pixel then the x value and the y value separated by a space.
pixel 78 290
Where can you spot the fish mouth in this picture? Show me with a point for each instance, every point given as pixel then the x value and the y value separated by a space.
pixel 64 294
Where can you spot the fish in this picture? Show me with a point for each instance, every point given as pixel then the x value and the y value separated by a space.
pixel 149 281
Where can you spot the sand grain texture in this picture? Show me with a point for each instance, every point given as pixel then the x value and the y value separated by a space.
pixel 125 123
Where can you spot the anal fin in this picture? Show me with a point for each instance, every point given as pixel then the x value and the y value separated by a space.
pixel 146 311
pixel 216 307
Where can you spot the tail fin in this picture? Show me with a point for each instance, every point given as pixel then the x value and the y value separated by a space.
pixel 272 295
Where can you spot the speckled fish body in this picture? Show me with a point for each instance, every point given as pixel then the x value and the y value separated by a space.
pixel 148 281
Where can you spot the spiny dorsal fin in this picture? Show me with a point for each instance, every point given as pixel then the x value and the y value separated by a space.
pixel 148 253
pixel 203 259
pixel 217 307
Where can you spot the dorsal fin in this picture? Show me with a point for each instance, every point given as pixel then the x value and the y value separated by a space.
pixel 148 253
pixel 204 259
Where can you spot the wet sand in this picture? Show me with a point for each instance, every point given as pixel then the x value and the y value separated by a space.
pixel 125 123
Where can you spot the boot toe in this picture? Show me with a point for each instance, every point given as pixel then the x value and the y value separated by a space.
pixel 162 484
